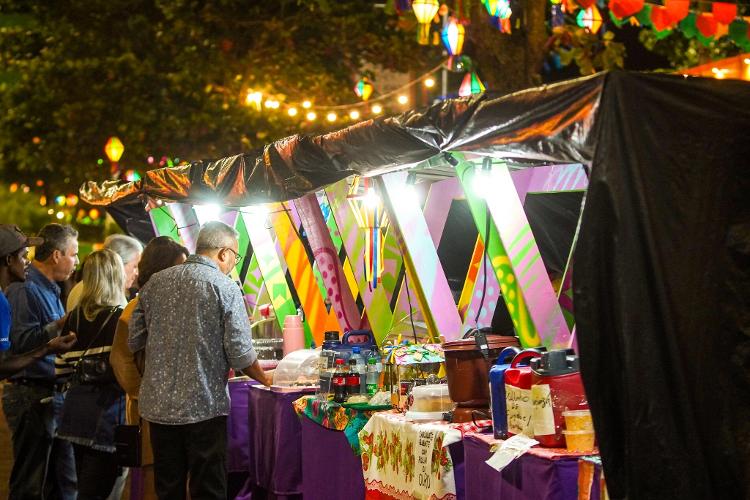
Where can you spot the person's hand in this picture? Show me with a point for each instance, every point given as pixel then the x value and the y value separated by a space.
pixel 60 323
pixel 61 344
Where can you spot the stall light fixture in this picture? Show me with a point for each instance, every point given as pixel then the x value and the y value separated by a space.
pixel 482 181
pixel 208 212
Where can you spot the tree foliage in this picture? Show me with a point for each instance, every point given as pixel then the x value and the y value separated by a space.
pixel 169 76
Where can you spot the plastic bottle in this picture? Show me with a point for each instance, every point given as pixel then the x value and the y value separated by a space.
pixel 339 382
pixel 352 379
pixel 361 368
pixel 294 333
pixel 373 376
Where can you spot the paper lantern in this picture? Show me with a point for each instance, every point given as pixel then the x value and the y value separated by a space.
pixel 677 9
pixel 425 11
pixel 590 19
pixel 625 8
pixel 585 4
pixel 371 217
pixel 453 37
pixel 706 24
pixel 498 8
pixel 363 89
pixel 71 200
pixel 724 12
pixel 660 18
pixel 688 27
pixel 114 149
pixel 471 85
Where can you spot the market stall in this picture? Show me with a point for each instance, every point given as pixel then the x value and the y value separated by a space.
pixel 330 225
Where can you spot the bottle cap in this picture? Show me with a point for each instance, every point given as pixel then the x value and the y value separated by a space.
pixel 372 361
pixel 339 361
pixel 355 349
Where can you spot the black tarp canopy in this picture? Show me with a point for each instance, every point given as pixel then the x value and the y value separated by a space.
pixel 662 264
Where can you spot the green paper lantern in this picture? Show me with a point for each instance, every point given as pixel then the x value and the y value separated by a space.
pixel 617 22
pixel 738 32
pixel 644 16
pixel 706 41
pixel 688 27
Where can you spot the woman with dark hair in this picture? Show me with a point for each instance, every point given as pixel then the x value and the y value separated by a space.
pixel 161 253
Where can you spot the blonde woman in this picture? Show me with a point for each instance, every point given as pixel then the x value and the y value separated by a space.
pixel 94 403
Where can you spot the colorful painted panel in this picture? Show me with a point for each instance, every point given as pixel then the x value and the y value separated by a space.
pixel 526 288
pixel 375 300
pixel 431 286
pixel 326 257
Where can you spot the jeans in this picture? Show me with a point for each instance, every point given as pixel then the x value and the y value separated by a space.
pixel 194 453
pixel 43 467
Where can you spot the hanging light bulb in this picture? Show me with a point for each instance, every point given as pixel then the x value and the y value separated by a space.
pixel 425 11
pixel 453 37
pixel 402 99
pixel 331 117
pixel 306 104
pixel 292 111
pixel 377 109
pixel 429 82
pixel 471 85
pixel 354 114
pixel 311 116
pixel 254 99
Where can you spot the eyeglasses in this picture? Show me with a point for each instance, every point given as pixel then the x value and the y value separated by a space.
pixel 237 256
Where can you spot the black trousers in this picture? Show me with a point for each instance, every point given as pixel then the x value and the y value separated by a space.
pixel 97 472
pixel 193 454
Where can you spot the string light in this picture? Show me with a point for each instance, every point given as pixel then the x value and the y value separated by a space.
pixel 402 99
pixel 429 82
pixel 291 111
pixel 311 116
pixel 377 109
pixel 253 99
pixel 354 114
pixel 306 104
pixel 331 117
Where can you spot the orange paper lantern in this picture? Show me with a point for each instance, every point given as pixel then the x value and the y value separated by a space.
pixel 706 24
pixel 724 12
pixel 660 18
pixel 677 9
pixel 625 8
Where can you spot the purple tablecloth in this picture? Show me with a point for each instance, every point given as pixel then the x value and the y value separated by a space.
pixel 331 469
pixel 526 478
pixel 238 433
pixel 275 462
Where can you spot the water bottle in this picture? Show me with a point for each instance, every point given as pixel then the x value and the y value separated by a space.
pixel 360 366
pixel 373 376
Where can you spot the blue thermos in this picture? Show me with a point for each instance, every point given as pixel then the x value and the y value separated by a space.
pixel 497 391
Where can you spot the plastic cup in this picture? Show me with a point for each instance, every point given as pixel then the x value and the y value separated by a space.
pixel 578 420
pixel 579 440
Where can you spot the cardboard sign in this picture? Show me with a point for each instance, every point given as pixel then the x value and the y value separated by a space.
pixel 542 415
pixel 518 405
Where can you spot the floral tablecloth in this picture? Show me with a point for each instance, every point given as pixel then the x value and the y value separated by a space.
pixel 404 459
pixel 334 416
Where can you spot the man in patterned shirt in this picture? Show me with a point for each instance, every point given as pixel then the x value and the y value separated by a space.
pixel 192 321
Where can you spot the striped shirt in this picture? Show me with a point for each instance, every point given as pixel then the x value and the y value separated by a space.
pixel 90 339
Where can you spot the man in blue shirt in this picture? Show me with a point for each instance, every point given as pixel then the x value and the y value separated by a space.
pixel 14 263
pixel 38 316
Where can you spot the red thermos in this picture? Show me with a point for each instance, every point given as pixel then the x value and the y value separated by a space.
pixel 557 387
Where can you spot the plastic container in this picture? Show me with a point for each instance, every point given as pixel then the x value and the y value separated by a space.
pixel 431 398
pixel 578 420
pixel 424 416
pixel 579 440
pixel 468 369
pixel 293 333
pixel 373 376
pixel 299 368
pixel 497 392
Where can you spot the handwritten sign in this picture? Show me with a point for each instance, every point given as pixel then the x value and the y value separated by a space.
pixel 425 443
pixel 542 415
pixel 518 406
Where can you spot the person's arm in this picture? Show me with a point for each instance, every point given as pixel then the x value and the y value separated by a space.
pixel 238 344
pixel 121 359
pixel 16 363
pixel 137 328
pixel 27 331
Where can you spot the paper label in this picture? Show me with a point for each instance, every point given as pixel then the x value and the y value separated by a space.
pixel 542 415
pixel 518 406
pixel 510 449
pixel 423 458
